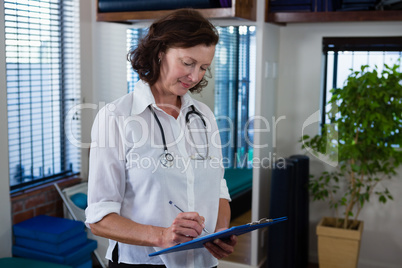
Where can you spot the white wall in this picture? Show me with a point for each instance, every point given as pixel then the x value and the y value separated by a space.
pixel 299 96
pixel 104 69
pixel 5 209
pixel 264 147
pixel 87 18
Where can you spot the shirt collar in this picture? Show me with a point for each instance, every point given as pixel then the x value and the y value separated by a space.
pixel 142 98
pixel 187 101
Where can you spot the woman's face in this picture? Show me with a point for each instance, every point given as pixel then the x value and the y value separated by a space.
pixel 182 68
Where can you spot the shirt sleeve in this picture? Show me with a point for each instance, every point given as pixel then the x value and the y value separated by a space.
pixel 106 178
pixel 224 191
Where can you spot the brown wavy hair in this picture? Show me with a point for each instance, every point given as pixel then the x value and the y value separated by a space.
pixel 183 28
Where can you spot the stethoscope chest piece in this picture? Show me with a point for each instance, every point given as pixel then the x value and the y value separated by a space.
pixel 167 159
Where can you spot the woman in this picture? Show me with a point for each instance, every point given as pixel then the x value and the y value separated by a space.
pixel 156 147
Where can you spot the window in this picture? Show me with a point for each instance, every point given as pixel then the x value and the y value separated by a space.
pixel 234 93
pixel 344 55
pixel 43 84
pixel 234 90
pixel 133 36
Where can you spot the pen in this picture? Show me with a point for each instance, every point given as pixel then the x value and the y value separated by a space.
pixel 173 204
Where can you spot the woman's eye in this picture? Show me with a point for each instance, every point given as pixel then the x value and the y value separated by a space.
pixel 187 64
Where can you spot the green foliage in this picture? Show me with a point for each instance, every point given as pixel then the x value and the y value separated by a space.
pixel 365 135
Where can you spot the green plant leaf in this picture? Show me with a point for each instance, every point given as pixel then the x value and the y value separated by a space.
pixel 366 126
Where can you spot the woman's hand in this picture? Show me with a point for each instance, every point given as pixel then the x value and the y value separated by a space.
pixel 221 248
pixel 186 227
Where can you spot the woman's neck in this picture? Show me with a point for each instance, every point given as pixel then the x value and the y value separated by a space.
pixel 171 103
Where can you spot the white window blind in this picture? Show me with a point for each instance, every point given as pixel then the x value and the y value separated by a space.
pixel 43 84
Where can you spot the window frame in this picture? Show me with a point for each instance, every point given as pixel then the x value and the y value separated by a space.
pixel 352 44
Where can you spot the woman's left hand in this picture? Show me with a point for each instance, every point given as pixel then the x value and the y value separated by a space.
pixel 221 248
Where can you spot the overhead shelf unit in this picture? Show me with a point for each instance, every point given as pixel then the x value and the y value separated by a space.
pixel 345 14
pixel 239 9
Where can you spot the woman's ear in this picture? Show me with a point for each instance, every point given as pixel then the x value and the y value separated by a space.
pixel 160 56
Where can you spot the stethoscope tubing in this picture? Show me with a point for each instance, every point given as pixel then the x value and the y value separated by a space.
pixel 160 127
pixel 167 158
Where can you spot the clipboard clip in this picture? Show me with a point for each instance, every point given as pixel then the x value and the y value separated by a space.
pixel 263 220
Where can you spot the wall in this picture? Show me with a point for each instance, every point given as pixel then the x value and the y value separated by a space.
pixel 5 210
pixel 264 137
pixel 41 200
pixel 87 15
pixel 104 69
pixel 299 96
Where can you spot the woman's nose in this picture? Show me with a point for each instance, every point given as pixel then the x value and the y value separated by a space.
pixel 194 75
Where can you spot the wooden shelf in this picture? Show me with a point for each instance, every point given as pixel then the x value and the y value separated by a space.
pixel 241 9
pixel 338 16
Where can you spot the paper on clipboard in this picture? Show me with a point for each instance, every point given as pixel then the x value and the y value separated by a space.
pixel 225 234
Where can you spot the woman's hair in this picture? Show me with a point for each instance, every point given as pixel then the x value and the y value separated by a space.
pixel 183 28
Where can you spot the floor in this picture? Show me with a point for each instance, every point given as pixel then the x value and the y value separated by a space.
pixel 242 251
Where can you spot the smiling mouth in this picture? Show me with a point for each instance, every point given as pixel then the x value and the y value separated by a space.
pixel 185 85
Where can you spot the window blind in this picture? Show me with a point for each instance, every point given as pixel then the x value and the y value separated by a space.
pixel 133 37
pixel 43 84
pixel 234 98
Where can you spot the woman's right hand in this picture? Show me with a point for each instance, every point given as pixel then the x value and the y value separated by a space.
pixel 185 227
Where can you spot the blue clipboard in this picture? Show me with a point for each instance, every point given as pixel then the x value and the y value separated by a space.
pixel 225 234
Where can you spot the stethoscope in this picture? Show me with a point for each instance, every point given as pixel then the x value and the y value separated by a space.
pixel 167 158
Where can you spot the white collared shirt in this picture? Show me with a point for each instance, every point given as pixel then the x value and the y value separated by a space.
pixel 126 176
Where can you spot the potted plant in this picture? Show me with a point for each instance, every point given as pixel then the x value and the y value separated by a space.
pixel 364 138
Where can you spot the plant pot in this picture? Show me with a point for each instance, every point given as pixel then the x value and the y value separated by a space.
pixel 337 247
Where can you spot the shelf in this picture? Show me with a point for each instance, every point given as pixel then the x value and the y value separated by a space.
pixel 338 16
pixel 241 9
